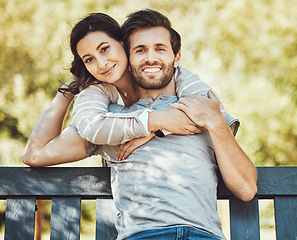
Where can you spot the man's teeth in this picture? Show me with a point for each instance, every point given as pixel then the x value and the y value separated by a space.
pixel 151 70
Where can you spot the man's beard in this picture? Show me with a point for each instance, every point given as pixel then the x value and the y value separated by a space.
pixel 153 84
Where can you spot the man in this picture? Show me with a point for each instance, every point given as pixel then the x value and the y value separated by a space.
pixel 166 189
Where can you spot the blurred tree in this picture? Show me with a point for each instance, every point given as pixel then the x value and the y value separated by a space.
pixel 246 50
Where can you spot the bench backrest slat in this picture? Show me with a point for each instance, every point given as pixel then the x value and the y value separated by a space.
pixel 48 182
pixel 20 219
pixel 105 219
pixel 94 182
pixel 244 219
pixel 286 217
pixel 65 218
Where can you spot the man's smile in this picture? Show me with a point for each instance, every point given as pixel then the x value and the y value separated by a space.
pixel 152 69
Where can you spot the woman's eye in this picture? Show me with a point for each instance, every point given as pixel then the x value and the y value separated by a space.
pixel 88 60
pixel 104 49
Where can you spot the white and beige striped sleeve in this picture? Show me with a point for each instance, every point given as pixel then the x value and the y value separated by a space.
pixel 94 123
pixel 188 83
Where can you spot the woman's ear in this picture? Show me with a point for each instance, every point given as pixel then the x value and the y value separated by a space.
pixel 177 59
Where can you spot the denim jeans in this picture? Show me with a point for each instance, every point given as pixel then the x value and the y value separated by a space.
pixel 173 233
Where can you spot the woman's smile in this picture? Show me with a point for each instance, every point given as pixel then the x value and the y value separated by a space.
pixel 109 70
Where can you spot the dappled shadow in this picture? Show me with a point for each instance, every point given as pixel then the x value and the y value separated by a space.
pixel 46 182
pixel 18 212
pixel 65 218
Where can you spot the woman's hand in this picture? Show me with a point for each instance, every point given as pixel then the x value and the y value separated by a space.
pixel 125 149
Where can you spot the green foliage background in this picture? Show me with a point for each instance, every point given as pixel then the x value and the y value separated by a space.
pixel 246 50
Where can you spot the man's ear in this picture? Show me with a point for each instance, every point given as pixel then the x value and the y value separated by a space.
pixel 177 59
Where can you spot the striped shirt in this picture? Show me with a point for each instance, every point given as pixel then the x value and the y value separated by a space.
pixel 94 123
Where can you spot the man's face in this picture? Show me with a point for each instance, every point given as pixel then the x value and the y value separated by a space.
pixel 152 60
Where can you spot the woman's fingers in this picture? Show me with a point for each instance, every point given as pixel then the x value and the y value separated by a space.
pixel 121 150
pixel 127 152
pixel 124 150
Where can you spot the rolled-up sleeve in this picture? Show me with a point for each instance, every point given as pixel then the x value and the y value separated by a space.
pixel 94 123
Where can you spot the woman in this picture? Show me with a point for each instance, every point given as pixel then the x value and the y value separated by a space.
pixel 101 77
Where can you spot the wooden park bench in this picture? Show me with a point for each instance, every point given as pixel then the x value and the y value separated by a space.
pixel 67 186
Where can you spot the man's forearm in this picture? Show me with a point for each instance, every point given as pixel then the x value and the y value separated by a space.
pixel 237 170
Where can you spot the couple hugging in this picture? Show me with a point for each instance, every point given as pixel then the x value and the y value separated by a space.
pixel 163 131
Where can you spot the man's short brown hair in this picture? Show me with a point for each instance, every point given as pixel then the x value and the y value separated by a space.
pixel 149 18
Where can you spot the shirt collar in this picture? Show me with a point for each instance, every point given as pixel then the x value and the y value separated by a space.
pixel 162 99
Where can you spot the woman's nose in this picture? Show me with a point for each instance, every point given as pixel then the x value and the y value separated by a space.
pixel 101 62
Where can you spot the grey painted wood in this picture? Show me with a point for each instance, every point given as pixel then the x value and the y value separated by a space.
pixel 65 218
pixel 244 219
pixel 105 219
pixel 55 181
pixel 67 185
pixel 20 219
pixel 272 181
pixel 286 217
pixel 277 181
pixel 95 182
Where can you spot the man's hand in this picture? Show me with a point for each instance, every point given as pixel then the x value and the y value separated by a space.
pixel 204 112
pixel 125 149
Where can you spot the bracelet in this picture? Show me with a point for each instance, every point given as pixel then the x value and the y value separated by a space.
pixel 159 133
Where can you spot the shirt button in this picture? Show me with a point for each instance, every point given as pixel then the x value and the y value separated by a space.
pixel 148 102
pixel 154 108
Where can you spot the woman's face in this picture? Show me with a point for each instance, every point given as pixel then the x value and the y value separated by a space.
pixel 103 56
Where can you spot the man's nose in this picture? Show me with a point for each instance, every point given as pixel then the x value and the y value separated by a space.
pixel 151 56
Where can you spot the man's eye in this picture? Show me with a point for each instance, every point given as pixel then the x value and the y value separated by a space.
pixel 139 51
pixel 161 49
